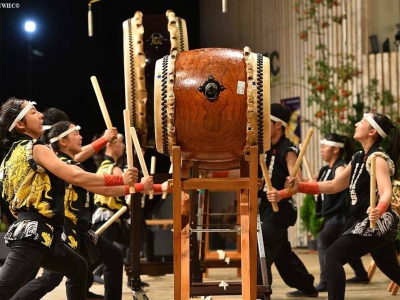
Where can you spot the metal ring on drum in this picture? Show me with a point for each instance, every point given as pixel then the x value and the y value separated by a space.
pixel 214 103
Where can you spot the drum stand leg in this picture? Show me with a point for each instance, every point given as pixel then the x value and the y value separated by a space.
pixel 263 262
pixel 393 287
pixel 178 226
pixel 248 210
pixel 195 268
pixel 135 243
pixel 371 270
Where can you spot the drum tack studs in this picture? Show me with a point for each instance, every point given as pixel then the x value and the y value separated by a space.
pixel 211 89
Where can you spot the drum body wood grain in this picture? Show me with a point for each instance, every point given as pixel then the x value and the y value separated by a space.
pixel 204 104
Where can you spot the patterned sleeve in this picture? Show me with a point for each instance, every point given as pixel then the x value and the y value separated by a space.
pixel 385 157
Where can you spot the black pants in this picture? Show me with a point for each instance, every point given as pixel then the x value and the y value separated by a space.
pixel 349 247
pixel 112 233
pixel 109 254
pixel 330 232
pixel 24 259
pixel 288 264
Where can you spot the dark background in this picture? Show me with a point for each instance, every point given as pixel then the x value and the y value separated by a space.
pixel 61 78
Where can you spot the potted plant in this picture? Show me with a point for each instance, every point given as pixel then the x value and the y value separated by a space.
pixel 310 223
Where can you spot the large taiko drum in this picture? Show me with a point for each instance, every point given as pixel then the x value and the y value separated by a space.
pixel 147 38
pixel 213 103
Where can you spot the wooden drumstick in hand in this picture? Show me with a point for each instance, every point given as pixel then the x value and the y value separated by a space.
pixel 308 169
pixel 128 145
pixel 102 104
pixel 307 165
pixel 152 171
pixel 263 165
pixel 301 154
pixel 139 154
pixel 114 217
pixel 372 191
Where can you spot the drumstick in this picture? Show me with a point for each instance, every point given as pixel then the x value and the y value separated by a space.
pixel 372 191
pixel 301 154
pixel 267 180
pixel 308 169
pixel 164 194
pixel 152 171
pixel 116 216
pixel 90 17
pixel 128 143
pixel 90 21
pixel 102 104
pixel 224 6
pixel 307 165
pixel 139 153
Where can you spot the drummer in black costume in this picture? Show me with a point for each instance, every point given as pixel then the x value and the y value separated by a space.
pixel 358 238
pixel 337 151
pixel 280 160
pixel 66 142
pixel 31 184
pixel 53 115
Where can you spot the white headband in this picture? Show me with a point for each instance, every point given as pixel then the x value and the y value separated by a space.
pixel 332 143
pixel 273 118
pixel 65 133
pixel 22 114
pixel 375 125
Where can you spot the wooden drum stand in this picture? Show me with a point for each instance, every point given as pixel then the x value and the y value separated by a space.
pixel 183 287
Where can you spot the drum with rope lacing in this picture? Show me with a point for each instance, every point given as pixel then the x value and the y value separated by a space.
pixel 214 103
pixel 147 38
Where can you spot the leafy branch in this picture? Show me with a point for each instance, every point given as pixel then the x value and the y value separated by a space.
pixel 329 76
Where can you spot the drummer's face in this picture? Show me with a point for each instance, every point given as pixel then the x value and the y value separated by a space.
pixel 32 122
pixel 276 128
pixel 118 146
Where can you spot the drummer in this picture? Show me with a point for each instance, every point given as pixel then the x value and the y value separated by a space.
pixel 66 141
pixel 37 232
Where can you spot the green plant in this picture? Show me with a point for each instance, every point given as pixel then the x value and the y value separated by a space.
pixel 310 223
pixel 328 77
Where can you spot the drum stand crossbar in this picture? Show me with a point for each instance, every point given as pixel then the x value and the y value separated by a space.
pixel 184 288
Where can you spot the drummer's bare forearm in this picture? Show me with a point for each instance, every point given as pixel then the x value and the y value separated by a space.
pixel 87 151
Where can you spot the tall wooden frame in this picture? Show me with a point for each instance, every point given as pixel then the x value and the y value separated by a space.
pixel 248 210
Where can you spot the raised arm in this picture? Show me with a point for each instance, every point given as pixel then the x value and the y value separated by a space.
pixel 338 184
pixel 97 145
pixel 334 186
pixel 274 195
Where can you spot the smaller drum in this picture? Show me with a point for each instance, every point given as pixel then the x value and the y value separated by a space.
pixel 214 103
pixel 145 40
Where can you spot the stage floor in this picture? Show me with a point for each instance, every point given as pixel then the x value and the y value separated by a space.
pixel 161 288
